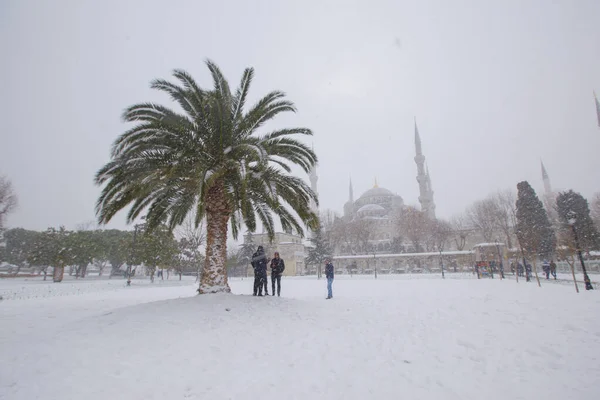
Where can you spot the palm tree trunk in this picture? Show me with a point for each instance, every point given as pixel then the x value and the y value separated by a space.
pixel 214 274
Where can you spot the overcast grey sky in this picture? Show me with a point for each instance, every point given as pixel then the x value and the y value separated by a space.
pixel 495 87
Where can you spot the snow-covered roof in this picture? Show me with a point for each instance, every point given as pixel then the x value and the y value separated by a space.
pixel 444 253
pixel 376 191
pixel 371 207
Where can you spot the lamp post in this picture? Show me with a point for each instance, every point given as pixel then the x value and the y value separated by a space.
pixel 442 263
pixel 500 265
pixel 374 250
pixel 586 278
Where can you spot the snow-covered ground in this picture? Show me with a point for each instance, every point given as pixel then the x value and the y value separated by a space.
pixel 397 337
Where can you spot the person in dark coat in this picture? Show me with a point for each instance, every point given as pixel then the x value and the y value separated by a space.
pixel 553 269
pixel 277 268
pixel 546 268
pixel 259 264
pixel 521 270
pixel 329 276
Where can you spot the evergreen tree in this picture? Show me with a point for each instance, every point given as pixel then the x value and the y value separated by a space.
pixel 84 247
pixel 534 231
pixel 116 248
pixel 247 249
pixel 156 248
pixel 574 216
pixel 19 246
pixel 52 249
pixel 319 252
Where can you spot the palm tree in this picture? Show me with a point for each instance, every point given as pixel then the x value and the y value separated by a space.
pixel 210 161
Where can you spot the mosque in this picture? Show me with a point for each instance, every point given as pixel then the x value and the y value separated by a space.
pixel 379 205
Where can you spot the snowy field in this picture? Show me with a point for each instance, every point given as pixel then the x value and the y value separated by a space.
pixel 397 337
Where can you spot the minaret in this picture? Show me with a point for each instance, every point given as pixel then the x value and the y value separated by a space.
pixel 546 179
pixel 349 206
pixel 425 189
pixel 597 108
pixel 549 197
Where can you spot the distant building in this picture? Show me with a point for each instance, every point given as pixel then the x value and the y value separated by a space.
pixel 290 247
pixel 378 206
pixel 381 206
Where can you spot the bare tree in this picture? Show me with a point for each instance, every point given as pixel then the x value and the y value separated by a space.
pixel 8 199
pixel 482 216
pixel 441 232
pixel 327 219
pixel 193 237
pixel 415 226
pixel 460 231
pixel 504 213
pixel 362 231
pixel 353 236
pixel 567 250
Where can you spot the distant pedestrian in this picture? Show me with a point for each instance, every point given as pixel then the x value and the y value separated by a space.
pixel 329 276
pixel 553 269
pixel 520 269
pixel 527 271
pixel 546 268
pixel 259 264
pixel 265 279
pixel 277 268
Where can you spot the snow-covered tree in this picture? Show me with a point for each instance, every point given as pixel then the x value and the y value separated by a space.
pixel 534 231
pixel 8 199
pixel 247 249
pixel 319 251
pixel 574 215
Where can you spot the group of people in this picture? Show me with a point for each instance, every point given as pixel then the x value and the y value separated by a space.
pixel 549 268
pixel 525 271
pixel 259 264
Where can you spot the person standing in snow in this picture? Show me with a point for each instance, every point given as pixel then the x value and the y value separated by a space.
pixel 259 264
pixel 521 270
pixel 277 268
pixel 329 276
pixel 264 278
pixel 546 268
pixel 553 269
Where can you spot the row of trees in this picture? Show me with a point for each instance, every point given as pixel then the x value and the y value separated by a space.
pixel 413 232
pixel 564 227
pixel 77 250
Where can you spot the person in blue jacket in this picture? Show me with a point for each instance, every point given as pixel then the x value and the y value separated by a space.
pixel 329 276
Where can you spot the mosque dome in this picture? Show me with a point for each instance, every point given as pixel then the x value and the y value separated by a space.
pixel 376 192
pixel 371 208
